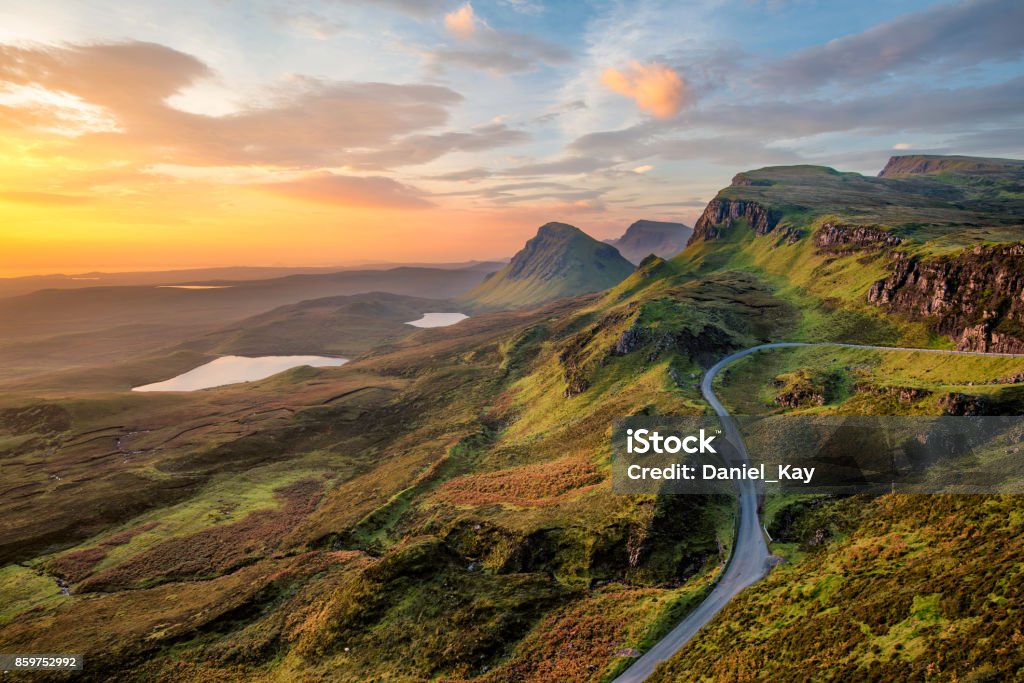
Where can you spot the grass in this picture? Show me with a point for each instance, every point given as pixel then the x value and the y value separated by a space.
pixel 892 588
pixel 905 595
pixel 873 371
pixel 440 507
pixel 223 502
pixel 23 589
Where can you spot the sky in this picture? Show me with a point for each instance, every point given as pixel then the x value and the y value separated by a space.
pixel 149 135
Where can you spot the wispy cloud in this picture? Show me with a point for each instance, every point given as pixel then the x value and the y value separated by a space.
pixel 419 149
pixel 467 175
pixel 957 35
pixel 306 123
pixel 495 50
pixel 373 192
pixel 566 166
pixel 312 24
pixel 423 9
pixel 534 7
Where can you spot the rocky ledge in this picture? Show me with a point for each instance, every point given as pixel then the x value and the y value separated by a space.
pixel 975 297
pixel 721 213
pixel 840 239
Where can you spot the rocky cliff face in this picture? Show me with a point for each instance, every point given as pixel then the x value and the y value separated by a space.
pixel 975 297
pixel 721 213
pixel 840 239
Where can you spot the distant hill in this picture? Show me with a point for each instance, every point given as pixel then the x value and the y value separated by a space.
pixel 923 164
pixel 63 311
pixel 338 325
pixel 53 330
pixel 560 261
pixel 660 238
pixel 14 286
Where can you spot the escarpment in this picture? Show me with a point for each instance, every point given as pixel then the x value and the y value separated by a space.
pixel 975 297
pixel 721 213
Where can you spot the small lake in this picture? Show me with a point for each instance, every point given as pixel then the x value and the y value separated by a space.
pixel 438 319
pixel 234 369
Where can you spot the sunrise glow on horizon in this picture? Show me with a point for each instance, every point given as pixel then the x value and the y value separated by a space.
pixel 146 136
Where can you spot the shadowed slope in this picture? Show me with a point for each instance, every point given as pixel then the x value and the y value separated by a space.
pixel 560 261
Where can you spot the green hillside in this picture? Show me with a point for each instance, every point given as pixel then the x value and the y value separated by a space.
pixel 901 587
pixel 922 259
pixel 560 261
pixel 440 509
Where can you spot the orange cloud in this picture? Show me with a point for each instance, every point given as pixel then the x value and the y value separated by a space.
pixel 125 87
pixel 99 170
pixel 462 22
pixel 656 88
pixel 369 192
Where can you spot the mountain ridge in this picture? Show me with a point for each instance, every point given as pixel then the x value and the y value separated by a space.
pixel 924 164
pixel 645 237
pixel 559 261
pixel 939 236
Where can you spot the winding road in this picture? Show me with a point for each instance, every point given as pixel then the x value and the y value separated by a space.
pixel 750 559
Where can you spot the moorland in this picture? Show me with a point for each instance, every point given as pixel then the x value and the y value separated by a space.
pixel 440 507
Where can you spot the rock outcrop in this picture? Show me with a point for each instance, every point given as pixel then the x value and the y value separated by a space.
pixel 975 297
pixel 841 239
pixel 904 395
pixel 803 387
pixel 720 214
pixel 955 403
pixel 700 346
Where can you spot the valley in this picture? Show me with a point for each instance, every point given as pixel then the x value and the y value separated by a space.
pixel 440 507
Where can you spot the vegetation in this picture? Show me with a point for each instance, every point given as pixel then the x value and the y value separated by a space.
pixel 560 261
pixel 440 508
pixel 892 588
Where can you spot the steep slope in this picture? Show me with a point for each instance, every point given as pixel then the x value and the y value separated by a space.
pixel 938 249
pixel 560 261
pixel 644 238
